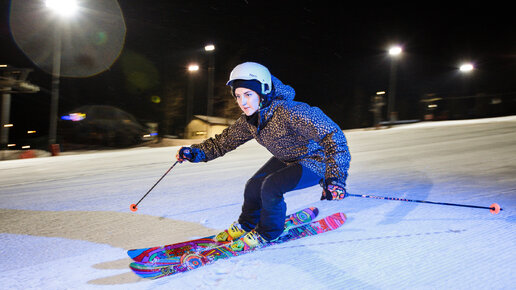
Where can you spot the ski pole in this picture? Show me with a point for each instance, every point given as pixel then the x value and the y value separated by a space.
pixel 134 207
pixel 494 208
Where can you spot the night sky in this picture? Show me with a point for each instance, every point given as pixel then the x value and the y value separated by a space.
pixel 333 55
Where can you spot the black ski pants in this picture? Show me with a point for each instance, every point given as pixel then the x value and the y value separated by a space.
pixel 264 207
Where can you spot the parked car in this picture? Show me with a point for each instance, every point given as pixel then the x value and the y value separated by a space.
pixel 102 125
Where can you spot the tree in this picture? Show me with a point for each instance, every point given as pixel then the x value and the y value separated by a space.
pixel 172 109
pixel 225 105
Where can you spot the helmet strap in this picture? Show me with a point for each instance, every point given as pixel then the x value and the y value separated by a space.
pixel 265 89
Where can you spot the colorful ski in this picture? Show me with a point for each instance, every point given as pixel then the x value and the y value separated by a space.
pixel 148 255
pixel 189 261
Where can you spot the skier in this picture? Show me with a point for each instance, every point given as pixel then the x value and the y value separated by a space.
pixel 308 148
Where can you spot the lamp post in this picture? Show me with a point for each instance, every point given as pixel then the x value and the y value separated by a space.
pixel 192 71
pixel 466 69
pixel 54 96
pixel 210 49
pixel 394 52
pixel 63 9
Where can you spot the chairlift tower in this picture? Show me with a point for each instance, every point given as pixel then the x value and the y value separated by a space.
pixel 12 81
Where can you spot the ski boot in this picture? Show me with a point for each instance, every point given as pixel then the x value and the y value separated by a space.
pixel 249 241
pixel 234 232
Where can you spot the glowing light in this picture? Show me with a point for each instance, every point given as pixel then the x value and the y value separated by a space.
pixel 31 132
pixel 75 117
pixel 466 67
pixel 380 93
pixel 156 99
pixel 26 147
pixel 395 50
pixel 11 145
pixel 209 47
pixel 193 68
pixel 62 7
pixel 8 125
pixel 150 135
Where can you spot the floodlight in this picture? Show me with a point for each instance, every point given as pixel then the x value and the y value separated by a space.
pixel 395 50
pixel 62 7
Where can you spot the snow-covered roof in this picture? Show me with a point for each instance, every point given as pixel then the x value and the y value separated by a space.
pixel 215 120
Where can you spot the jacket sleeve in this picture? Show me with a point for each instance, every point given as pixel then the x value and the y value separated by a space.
pixel 230 138
pixel 313 124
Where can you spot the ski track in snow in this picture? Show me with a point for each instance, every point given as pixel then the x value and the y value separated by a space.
pixel 66 221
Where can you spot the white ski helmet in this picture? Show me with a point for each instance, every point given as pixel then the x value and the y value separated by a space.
pixel 252 71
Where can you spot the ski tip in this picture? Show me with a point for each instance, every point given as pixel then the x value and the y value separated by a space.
pixel 337 219
pixel 340 217
pixel 495 208
pixel 314 210
pixel 133 207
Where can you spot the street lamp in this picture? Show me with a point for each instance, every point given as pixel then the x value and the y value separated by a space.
pixel 210 49
pixel 466 67
pixel 192 70
pixel 394 52
pixel 466 70
pixel 63 8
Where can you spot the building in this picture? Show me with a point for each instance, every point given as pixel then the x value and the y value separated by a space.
pixel 467 107
pixel 203 127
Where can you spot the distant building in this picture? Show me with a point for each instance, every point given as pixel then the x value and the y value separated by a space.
pixel 467 107
pixel 203 127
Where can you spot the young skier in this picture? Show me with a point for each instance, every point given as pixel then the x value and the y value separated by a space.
pixel 307 147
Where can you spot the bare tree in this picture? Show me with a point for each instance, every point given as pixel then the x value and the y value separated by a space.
pixel 173 108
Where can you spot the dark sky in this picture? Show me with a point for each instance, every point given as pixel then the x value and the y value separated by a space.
pixel 332 52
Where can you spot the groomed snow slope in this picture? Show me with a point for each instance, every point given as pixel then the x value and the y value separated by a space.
pixel 66 224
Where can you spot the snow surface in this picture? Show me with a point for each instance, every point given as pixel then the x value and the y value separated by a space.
pixel 66 224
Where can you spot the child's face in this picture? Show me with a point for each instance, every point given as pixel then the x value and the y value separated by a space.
pixel 248 100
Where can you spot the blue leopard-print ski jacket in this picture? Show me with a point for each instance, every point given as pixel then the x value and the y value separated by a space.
pixel 293 132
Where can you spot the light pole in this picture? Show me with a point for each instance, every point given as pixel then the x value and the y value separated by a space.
pixel 192 71
pixel 63 9
pixel 466 69
pixel 54 96
pixel 210 49
pixel 394 52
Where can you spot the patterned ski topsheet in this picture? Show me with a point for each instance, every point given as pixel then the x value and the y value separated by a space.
pixel 153 254
pixel 191 261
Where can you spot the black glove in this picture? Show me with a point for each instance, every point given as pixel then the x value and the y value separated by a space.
pixel 333 190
